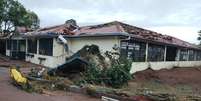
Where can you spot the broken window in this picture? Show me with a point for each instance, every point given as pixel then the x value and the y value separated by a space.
pixel 183 55
pixel 156 53
pixel 133 50
pixel 32 46
pixel 46 46
pixel 191 55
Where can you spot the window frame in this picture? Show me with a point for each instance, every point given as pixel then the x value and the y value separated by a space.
pixel 32 46
pixel 156 52
pixel 46 46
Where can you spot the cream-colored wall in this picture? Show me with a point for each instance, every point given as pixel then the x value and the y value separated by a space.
pixel 59 53
pixel 104 43
pixel 75 44
pixel 140 66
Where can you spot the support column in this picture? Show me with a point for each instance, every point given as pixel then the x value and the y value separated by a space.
pixel 6 44
pixel 37 51
pixel 146 53
pixel 17 45
pixel 188 55
pixel 165 53
pixel 178 55
pixel 11 47
pixel 26 45
pixel 195 55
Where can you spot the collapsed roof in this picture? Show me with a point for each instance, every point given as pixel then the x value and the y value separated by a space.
pixel 113 28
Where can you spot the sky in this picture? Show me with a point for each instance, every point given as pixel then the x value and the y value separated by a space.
pixel 178 18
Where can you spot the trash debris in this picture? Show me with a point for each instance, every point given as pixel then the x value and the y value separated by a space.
pixel 161 97
pixel 79 61
pixel 17 76
pixel 19 79
pixel 73 65
pixel 104 98
pixel 40 72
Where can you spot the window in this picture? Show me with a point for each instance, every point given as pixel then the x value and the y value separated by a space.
pixel 32 46
pixel 22 45
pixel 156 53
pixel 130 50
pixel 192 55
pixel 198 56
pixel 123 50
pixel 139 51
pixel 183 55
pixel 46 46
pixel 14 45
pixel 9 44
pixel 133 50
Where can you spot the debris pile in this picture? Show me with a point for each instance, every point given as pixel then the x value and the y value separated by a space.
pixel 161 97
pixel 79 62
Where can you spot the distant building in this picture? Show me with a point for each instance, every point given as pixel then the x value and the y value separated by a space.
pixel 51 46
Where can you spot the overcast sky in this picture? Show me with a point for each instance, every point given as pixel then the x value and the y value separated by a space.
pixel 179 18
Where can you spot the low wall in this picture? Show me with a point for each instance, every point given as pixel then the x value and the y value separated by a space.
pixel 140 66
pixel 51 61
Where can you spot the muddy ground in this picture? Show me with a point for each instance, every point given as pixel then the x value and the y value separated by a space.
pixel 181 82
pixel 8 92
pixel 11 93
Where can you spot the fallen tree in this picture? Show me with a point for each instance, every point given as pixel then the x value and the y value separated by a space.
pixel 114 72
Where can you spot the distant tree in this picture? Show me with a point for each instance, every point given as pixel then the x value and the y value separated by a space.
pixel 13 14
pixel 1 13
pixel 199 37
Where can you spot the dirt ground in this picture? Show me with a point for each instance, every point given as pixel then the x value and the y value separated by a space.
pixel 11 93
pixel 8 92
pixel 182 82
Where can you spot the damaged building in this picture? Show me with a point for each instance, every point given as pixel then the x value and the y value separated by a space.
pixel 52 46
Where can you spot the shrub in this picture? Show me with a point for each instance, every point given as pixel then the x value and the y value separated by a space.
pixel 118 74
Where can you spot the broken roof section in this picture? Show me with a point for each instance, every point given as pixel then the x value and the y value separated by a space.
pixel 110 29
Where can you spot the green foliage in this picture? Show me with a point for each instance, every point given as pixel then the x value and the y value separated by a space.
pixel 199 37
pixel 13 14
pixel 119 74
pixel 116 76
pixel 92 75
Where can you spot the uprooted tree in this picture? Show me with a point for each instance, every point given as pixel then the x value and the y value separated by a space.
pixel 114 73
pixel 13 14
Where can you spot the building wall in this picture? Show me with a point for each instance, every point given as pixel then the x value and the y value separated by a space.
pixel 59 53
pixel 140 66
pixel 104 43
